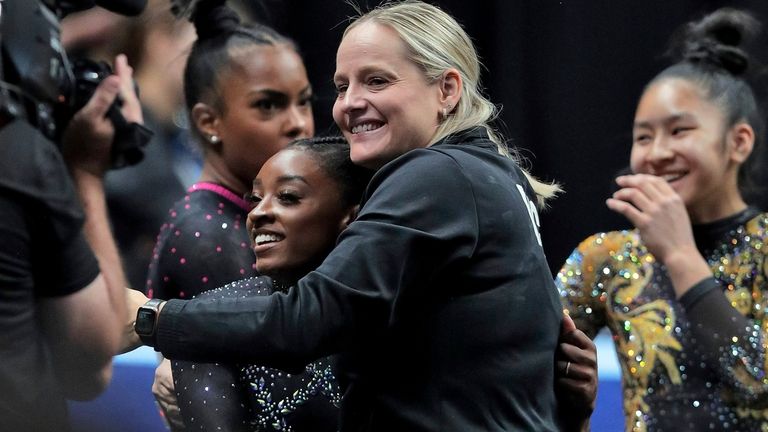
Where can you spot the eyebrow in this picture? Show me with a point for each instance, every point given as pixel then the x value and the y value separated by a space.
pixel 367 70
pixel 284 179
pixel 665 120
pixel 291 177
pixel 279 94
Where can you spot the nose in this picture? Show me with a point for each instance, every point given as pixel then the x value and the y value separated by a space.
pixel 259 215
pixel 352 99
pixel 299 123
pixel 660 150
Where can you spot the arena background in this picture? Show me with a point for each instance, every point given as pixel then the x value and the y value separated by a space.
pixel 567 74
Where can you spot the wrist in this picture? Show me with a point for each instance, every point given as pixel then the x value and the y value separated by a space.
pixel 686 269
pixel 147 319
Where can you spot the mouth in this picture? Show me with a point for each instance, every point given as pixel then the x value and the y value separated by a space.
pixel 366 127
pixel 672 177
pixel 265 241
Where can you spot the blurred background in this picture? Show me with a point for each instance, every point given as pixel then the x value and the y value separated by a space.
pixel 567 74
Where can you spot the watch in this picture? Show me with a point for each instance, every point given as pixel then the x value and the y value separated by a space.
pixel 146 321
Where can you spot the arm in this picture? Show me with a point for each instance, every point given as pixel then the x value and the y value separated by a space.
pixel 86 328
pixel 732 341
pixel 353 294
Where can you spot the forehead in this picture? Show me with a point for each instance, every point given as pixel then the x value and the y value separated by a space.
pixel 675 96
pixel 272 66
pixel 672 94
pixel 290 162
pixel 370 42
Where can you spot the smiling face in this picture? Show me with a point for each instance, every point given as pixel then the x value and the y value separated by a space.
pixel 267 100
pixel 385 106
pixel 299 213
pixel 680 135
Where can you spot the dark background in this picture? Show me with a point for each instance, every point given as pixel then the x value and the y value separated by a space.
pixel 567 73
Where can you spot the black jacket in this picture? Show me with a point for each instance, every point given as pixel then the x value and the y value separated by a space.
pixel 438 296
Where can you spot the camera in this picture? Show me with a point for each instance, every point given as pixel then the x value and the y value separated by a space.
pixel 39 83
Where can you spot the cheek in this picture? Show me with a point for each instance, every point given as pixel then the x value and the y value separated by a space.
pixel 636 161
pixel 337 113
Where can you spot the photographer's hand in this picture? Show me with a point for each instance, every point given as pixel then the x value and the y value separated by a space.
pixel 87 140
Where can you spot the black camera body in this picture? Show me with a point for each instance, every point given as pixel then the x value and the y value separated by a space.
pixel 39 83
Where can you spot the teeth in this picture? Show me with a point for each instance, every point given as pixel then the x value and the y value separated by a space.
pixel 265 238
pixel 672 177
pixel 365 127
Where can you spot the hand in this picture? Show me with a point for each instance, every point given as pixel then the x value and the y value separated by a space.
pixel 576 374
pixel 165 395
pixel 657 211
pixel 659 214
pixel 87 140
pixel 134 300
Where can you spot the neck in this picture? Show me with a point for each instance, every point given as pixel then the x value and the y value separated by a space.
pixel 215 172
pixel 717 206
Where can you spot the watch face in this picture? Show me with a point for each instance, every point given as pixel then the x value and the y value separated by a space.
pixel 145 322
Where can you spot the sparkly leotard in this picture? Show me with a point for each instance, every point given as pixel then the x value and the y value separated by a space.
pixel 204 245
pixel 692 364
pixel 218 397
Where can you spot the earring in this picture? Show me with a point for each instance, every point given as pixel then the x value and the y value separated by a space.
pixel 213 139
pixel 446 110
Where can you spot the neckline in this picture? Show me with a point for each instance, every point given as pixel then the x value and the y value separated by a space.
pixel 220 190
pixel 707 235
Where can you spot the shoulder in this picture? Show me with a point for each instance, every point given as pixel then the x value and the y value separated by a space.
pixel 418 179
pixel 758 226
pixel 608 244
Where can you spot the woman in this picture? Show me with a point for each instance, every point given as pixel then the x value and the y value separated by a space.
pixel 683 292
pixel 306 194
pixel 247 95
pixel 430 292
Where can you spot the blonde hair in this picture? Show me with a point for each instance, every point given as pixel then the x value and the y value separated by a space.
pixel 435 43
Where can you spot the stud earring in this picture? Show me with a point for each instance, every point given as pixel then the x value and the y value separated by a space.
pixel 213 139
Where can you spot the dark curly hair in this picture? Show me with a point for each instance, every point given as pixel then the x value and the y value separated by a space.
pixel 332 154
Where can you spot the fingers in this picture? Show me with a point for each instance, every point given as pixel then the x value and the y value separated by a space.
pixel 653 187
pixel 131 106
pixel 576 340
pixel 102 98
pixel 568 325
pixel 642 197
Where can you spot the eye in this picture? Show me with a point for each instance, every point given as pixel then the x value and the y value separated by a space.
pixel 677 130
pixel 252 200
pixel 308 100
pixel 265 105
pixel 642 139
pixel 341 89
pixel 377 82
pixel 288 198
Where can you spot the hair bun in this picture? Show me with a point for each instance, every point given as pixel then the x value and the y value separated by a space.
pixel 717 40
pixel 213 18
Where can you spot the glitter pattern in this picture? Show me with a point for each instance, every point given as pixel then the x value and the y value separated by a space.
pixel 216 397
pixel 694 370
pixel 198 248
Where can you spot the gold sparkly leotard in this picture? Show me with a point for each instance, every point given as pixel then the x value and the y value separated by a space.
pixel 693 364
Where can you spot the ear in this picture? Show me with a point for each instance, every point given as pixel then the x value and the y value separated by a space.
pixel 205 119
pixel 741 141
pixel 349 217
pixel 450 86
